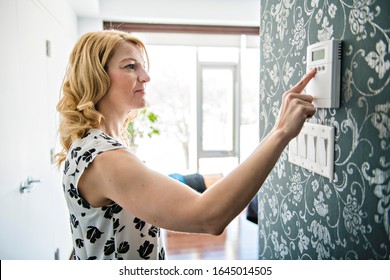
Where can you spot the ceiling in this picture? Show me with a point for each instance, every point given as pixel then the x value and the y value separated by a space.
pixel 208 12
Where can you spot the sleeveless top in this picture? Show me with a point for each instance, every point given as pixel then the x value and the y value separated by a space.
pixel 108 232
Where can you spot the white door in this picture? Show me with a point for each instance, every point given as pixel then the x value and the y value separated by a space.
pixel 34 225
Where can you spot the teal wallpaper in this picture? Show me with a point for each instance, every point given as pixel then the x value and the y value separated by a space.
pixel 303 215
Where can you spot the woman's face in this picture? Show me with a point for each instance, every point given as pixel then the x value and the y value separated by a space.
pixel 128 78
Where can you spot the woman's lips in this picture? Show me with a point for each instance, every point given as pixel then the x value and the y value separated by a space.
pixel 141 90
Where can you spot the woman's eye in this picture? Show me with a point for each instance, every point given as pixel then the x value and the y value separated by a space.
pixel 130 66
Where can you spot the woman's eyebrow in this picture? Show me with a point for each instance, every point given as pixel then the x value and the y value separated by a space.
pixel 133 59
pixel 128 58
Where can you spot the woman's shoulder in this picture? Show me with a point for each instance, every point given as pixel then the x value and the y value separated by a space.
pixel 97 136
pixel 96 139
pixel 93 143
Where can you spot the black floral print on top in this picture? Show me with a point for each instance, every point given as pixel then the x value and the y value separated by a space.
pixel 108 232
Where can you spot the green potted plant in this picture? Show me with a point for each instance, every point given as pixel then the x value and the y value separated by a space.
pixel 144 125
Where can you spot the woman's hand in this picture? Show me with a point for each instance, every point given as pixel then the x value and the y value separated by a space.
pixel 296 108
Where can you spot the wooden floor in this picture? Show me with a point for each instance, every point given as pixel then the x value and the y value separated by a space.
pixel 238 242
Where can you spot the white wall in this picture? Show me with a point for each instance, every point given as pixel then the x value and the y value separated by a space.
pixel 33 225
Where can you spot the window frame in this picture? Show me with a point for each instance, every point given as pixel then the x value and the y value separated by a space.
pixel 182 28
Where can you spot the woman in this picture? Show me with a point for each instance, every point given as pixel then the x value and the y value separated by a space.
pixel 116 203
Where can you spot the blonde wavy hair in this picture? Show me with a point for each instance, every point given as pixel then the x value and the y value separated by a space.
pixel 86 82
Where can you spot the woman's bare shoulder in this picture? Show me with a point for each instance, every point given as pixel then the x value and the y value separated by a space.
pixel 107 171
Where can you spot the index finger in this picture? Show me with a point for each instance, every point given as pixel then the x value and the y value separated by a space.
pixel 298 88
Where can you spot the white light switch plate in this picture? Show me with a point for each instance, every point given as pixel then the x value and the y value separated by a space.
pixel 313 149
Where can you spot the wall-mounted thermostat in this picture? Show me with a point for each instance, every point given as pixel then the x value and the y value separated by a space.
pixel 325 56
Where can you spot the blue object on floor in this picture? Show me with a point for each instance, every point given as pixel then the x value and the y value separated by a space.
pixel 195 181
pixel 178 177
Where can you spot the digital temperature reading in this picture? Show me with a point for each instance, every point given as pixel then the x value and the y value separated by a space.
pixel 317 55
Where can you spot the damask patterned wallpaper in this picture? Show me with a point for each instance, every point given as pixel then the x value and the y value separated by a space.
pixel 303 215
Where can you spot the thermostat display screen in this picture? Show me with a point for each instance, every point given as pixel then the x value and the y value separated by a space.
pixel 317 55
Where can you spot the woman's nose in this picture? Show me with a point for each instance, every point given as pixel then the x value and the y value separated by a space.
pixel 143 77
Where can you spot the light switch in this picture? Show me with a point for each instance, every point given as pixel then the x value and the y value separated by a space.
pixel 294 146
pixel 321 151
pixel 302 145
pixel 311 148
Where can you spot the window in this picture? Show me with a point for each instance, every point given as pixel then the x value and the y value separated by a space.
pixel 217 110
